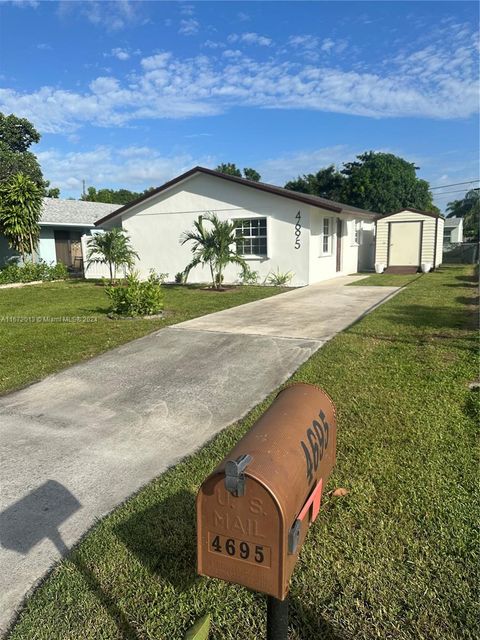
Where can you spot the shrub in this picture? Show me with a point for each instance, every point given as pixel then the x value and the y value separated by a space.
pixel 159 278
pixel 279 279
pixel 248 276
pixel 136 298
pixel 30 272
pixel 179 278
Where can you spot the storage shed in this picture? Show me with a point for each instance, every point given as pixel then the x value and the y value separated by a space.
pixel 408 239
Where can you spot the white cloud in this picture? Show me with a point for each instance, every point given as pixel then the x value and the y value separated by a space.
pixel 44 46
pixel 189 27
pixel 281 169
pixel 250 38
pixel 211 44
pixel 112 15
pixel 121 54
pixel 242 16
pixel 304 41
pixel 132 167
pixel 187 9
pixel 22 4
pixel 327 45
pixel 435 81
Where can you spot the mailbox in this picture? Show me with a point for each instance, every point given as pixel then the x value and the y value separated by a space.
pixel 254 510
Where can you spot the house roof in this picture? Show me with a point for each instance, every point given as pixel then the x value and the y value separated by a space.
pixel 74 212
pixel 316 201
pixel 453 222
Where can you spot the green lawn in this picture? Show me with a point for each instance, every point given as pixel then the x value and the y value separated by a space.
pixel 396 558
pixel 386 280
pixel 31 350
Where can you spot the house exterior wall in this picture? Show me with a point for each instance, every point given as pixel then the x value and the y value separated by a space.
pixel 46 245
pixel 455 232
pixel 428 235
pixel 294 231
pixel 155 227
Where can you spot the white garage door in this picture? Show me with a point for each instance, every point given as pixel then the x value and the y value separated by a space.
pixel 405 244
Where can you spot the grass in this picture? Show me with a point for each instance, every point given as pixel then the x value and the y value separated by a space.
pixel 33 349
pixel 386 280
pixel 397 558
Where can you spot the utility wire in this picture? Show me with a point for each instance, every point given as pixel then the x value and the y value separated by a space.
pixel 444 193
pixel 454 184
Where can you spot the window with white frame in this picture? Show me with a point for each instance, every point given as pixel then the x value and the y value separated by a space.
pixel 326 237
pixel 252 237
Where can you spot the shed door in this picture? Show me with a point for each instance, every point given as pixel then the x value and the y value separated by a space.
pixel 405 238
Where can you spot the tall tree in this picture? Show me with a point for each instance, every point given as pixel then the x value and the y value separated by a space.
pixel 212 247
pixel 16 137
pixel 231 169
pixel 326 183
pixel 20 211
pixel 17 133
pixel 467 208
pixel 383 182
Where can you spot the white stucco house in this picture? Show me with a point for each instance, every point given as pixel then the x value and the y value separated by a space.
pixel 311 237
pixel 63 224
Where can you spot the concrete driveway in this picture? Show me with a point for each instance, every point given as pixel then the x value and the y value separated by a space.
pixel 78 443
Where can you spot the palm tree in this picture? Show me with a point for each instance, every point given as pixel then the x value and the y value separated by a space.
pixel 212 247
pixel 113 248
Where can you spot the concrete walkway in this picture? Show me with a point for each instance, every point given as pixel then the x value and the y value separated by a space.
pixel 78 443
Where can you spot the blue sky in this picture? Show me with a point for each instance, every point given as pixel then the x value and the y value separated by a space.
pixel 130 94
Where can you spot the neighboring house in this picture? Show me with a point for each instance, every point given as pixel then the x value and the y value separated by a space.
pixel 312 237
pixel 62 225
pixel 453 231
pixel 409 238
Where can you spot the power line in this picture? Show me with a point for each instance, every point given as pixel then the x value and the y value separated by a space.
pixel 444 193
pixel 454 184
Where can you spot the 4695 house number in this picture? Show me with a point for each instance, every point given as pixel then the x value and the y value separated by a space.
pixel 258 554
pixel 298 230
pixel 317 442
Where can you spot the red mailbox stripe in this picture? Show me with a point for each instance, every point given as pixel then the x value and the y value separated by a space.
pixel 314 500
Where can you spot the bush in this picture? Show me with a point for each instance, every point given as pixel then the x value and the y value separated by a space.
pixel 30 272
pixel 136 298
pixel 179 278
pixel 279 279
pixel 248 276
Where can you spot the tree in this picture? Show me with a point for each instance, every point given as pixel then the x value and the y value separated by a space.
pixel 113 248
pixel 383 182
pixel 17 133
pixel 212 247
pixel 112 196
pixel 231 169
pixel 467 208
pixel 251 174
pixel 20 211
pixel 326 183
pixel 16 137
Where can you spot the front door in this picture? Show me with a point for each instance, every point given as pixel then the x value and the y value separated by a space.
pixel 62 247
pixel 404 248
pixel 339 244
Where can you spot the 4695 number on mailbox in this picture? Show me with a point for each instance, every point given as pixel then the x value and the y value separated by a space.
pixel 257 554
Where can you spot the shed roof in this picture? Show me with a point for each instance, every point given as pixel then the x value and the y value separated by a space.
pixel 74 212
pixel 432 214
pixel 316 201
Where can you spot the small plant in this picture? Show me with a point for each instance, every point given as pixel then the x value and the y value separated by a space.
pixel 248 276
pixel 30 272
pixel 112 248
pixel 159 278
pixel 136 298
pixel 279 279
pixel 179 277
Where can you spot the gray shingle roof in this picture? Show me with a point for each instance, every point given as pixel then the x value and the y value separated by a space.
pixel 56 211
pixel 452 222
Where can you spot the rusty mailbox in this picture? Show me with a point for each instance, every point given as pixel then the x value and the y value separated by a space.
pixel 254 510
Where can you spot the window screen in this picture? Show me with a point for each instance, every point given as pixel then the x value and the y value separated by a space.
pixel 252 237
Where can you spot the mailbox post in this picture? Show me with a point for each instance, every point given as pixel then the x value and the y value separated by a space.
pixel 254 510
